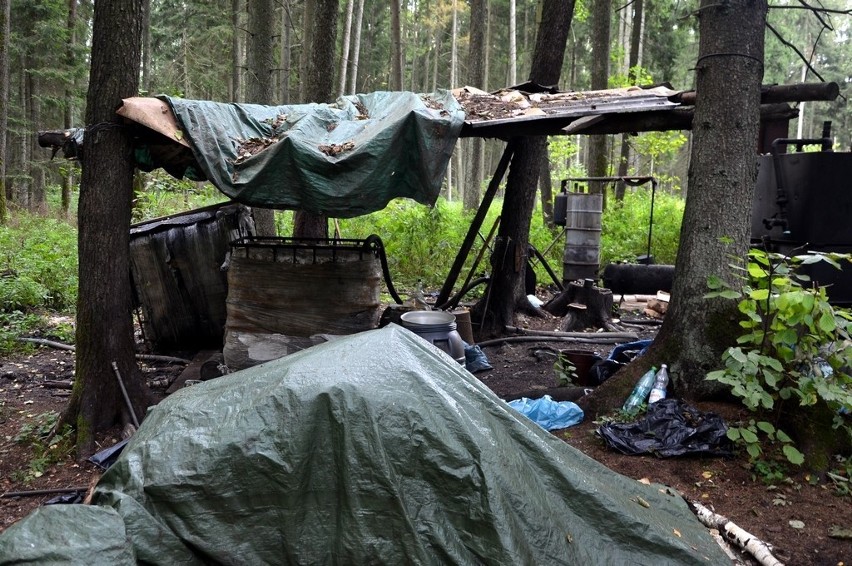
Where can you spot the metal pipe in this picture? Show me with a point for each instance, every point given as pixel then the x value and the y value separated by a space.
pixel 126 396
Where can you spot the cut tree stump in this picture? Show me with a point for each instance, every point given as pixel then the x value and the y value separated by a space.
pixel 581 305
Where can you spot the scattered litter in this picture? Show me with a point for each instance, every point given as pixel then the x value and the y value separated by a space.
pixel 475 359
pixel 670 428
pixel 547 413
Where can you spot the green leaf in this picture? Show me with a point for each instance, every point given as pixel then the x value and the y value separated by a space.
pixel 759 294
pixel 756 271
pixel 753 450
pixel 782 436
pixel 827 323
pixel 766 427
pixel 733 434
pixel 730 294
pixel 793 455
pixel 715 282
pixel 748 435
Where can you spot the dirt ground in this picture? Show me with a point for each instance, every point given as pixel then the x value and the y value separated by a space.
pixel 805 519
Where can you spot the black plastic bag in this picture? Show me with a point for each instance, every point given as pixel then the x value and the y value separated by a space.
pixel 670 428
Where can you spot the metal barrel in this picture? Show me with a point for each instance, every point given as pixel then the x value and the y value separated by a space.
pixel 582 236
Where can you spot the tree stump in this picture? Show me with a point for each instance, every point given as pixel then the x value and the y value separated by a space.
pixel 581 305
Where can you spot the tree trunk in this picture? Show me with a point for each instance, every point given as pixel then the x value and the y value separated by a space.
pixel 104 324
pixel 146 41
pixel 475 77
pixel 545 184
pixel 356 48
pixel 68 122
pixel 600 24
pixel 319 87
pixel 506 291
pixel 513 44
pixel 633 60
pixel 396 46
pixel 5 16
pixel 344 57
pixel 286 54
pixel 717 215
pixel 236 51
pixel 260 82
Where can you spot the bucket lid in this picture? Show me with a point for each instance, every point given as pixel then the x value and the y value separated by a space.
pixel 426 318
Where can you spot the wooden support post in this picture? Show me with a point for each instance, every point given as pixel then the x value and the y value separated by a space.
pixel 476 223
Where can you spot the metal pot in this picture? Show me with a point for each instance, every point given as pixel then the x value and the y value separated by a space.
pixel 437 328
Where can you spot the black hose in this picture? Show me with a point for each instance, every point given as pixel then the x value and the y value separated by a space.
pixel 374 243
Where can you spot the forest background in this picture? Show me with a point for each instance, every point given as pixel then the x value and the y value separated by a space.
pixel 197 49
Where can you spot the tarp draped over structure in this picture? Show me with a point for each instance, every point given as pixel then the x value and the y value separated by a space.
pixel 342 160
pixel 374 448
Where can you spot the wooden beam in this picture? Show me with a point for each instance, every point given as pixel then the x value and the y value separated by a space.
pixel 772 94
pixel 476 223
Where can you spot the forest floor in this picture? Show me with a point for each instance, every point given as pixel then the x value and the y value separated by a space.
pixel 805 518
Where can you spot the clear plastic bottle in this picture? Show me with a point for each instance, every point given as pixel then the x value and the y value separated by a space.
pixel 417 300
pixel 660 383
pixel 640 392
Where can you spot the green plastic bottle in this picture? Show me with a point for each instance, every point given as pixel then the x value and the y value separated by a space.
pixel 640 392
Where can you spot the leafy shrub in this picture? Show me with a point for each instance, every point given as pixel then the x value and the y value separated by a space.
pixel 38 265
pixel 624 234
pixel 164 195
pixel 47 449
pixel 795 347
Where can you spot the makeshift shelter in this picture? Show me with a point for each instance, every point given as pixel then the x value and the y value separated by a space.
pixel 374 448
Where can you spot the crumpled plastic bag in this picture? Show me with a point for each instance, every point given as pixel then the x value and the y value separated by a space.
pixel 670 427
pixel 547 413
pixel 475 359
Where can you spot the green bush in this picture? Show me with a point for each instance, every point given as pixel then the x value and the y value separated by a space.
pixel 624 234
pixel 795 349
pixel 38 265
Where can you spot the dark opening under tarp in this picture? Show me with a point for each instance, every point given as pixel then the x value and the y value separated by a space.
pixel 376 448
pixel 343 159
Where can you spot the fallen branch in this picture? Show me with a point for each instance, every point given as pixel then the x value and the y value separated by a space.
pixel 556 333
pixel 71 348
pixel 745 540
pixel 37 492
pixel 51 343
pixel 513 339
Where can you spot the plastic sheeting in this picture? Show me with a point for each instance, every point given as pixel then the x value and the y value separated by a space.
pixel 374 448
pixel 670 428
pixel 547 413
pixel 68 534
pixel 342 160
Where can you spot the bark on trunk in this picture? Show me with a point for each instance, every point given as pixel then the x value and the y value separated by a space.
pixel 716 220
pixel 506 292
pixel 104 324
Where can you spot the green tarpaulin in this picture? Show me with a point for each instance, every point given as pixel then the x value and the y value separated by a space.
pixel 342 160
pixel 372 449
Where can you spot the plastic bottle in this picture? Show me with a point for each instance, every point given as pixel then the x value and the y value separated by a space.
pixel 660 383
pixel 417 300
pixel 640 392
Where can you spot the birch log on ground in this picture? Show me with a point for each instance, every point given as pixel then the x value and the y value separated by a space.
pixel 742 538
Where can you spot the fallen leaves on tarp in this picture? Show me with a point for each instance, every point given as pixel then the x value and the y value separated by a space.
pixel 337 148
pixel 252 146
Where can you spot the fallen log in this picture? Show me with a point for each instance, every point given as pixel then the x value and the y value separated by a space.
pixel 56 384
pixel 733 533
pixel 37 492
pixel 627 336
pixel 513 339
pixel 71 348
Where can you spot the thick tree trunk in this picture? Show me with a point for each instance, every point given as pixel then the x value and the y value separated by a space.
pixel 722 173
pixel 601 19
pixel 506 290
pixel 260 80
pixel 319 87
pixel 104 324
